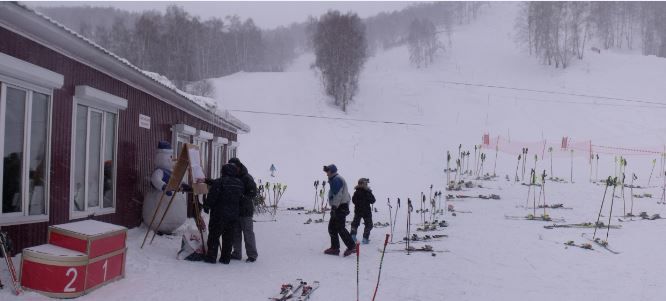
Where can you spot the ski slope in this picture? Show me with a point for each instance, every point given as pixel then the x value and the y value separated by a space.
pixel 489 257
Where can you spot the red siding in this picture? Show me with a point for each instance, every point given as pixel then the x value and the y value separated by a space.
pixel 136 146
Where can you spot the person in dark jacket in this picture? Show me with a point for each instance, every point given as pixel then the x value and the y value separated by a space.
pixel 362 200
pixel 245 223
pixel 338 198
pixel 223 199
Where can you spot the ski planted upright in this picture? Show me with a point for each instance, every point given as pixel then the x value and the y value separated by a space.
pixel 4 251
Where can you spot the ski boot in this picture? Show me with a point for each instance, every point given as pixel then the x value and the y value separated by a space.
pixel 365 241
pixel 331 251
pixel 349 251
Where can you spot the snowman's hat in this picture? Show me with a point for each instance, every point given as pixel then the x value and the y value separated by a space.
pixel 164 147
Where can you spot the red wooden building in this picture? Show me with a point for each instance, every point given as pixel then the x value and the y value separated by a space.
pixel 79 128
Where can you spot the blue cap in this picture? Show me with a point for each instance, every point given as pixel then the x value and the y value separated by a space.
pixel 163 145
pixel 331 168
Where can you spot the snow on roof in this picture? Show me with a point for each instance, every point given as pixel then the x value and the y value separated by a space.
pixel 208 104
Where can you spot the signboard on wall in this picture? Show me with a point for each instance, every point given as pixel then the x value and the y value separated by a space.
pixel 144 121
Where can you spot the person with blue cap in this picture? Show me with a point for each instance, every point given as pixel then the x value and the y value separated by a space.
pixel 338 199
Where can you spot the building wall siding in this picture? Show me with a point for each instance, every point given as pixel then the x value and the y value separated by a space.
pixel 136 146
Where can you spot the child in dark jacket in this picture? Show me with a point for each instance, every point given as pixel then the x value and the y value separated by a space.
pixel 362 200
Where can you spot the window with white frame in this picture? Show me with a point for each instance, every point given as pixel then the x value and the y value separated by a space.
pixel 94 151
pixel 25 118
pixel 232 150
pixel 217 156
pixel 202 140
pixel 25 140
pixel 181 134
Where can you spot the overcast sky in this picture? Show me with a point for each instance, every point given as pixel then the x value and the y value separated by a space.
pixel 265 14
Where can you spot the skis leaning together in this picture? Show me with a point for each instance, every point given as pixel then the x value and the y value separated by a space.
pixel 298 290
pixel 4 251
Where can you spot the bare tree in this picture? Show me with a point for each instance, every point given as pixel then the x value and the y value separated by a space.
pixel 554 31
pixel 423 43
pixel 340 49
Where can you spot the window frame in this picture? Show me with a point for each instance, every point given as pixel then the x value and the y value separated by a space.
pixel 217 156
pixel 232 148
pixel 181 132
pixel 24 216
pixel 203 141
pixel 98 102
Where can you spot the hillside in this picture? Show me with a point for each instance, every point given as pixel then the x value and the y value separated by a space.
pixel 450 114
pixel 612 99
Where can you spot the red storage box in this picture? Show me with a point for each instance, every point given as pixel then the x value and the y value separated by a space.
pixel 104 269
pixel 54 271
pixel 89 237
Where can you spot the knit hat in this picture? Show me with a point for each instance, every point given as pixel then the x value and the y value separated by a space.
pixel 164 146
pixel 331 168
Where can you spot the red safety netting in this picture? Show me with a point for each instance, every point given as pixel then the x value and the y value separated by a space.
pixel 566 147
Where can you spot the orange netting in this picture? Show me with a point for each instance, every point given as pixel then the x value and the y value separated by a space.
pixel 567 147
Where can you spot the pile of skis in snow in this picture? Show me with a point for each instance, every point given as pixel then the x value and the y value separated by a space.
pixel 297 290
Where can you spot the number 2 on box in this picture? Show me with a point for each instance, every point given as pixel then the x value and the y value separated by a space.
pixel 68 287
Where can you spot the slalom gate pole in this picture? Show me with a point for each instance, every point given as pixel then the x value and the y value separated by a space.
pixel 381 261
pixel 358 260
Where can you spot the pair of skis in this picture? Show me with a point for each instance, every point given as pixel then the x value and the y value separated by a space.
pixel 4 251
pixel 298 290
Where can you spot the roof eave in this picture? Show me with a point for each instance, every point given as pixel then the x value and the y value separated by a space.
pixel 21 20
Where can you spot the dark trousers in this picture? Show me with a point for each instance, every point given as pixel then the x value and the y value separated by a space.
pixel 336 227
pixel 224 228
pixel 367 222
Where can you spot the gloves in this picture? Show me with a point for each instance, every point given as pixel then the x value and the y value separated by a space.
pixel 208 181
pixel 205 208
pixel 168 193
pixel 186 187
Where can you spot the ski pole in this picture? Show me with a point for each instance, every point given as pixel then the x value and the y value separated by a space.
pixel 631 191
pixel 395 217
pixel 624 202
pixel 650 178
pixel 390 217
pixel 381 261
pixel 608 182
pixel 610 215
pixel 430 192
pixel 409 217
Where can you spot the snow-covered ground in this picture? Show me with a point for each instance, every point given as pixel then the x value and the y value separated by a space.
pixel 489 257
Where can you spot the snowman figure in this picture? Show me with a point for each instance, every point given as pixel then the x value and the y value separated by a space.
pixel 178 211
